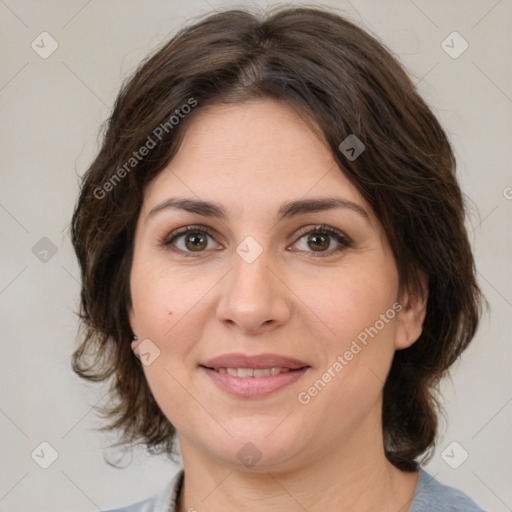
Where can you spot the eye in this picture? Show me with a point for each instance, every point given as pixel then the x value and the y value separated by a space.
pixel 189 239
pixel 320 239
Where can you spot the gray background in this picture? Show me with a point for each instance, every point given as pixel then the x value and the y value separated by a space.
pixel 51 111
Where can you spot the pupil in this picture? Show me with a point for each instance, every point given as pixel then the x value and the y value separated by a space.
pixel 197 241
pixel 317 240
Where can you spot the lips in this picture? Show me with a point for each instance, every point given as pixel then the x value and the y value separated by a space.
pixel 262 361
pixel 253 377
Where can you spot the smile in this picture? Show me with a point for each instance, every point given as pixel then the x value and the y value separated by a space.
pixel 251 372
pixel 253 382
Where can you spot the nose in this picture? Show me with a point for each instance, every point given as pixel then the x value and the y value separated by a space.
pixel 254 297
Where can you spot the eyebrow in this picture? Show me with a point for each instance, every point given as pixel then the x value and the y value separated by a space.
pixel 287 210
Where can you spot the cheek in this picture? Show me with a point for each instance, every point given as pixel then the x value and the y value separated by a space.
pixel 349 301
pixel 169 308
pixel 358 307
pixel 163 305
pixel 159 300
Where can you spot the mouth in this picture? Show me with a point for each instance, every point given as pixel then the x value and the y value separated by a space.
pixel 254 372
pixel 243 363
pixel 253 376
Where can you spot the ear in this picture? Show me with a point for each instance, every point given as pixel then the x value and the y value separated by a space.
pixel 410 318
pixel 131 319
pixel 133 325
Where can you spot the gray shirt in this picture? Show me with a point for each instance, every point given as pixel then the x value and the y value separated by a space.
pixel 430 496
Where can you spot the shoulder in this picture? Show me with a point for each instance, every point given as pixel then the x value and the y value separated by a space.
pixel 433 496
pixel 165 501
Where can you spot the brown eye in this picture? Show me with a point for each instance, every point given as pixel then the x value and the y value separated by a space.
pixel 189 240
pixel 318 241
pixel 196 241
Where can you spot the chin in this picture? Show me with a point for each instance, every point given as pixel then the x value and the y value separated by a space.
pixel 258 449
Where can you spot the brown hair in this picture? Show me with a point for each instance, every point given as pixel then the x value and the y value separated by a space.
pixel 345 82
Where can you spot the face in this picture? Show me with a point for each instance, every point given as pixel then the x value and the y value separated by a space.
pixel 311 287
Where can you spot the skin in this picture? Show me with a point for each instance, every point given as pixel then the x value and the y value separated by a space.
pixel 298 299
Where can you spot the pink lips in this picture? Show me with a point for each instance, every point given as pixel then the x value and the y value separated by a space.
pixel 253 387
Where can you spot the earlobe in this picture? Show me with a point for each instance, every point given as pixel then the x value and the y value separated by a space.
pixel 134 346
pixel 412 315
pixel 133 324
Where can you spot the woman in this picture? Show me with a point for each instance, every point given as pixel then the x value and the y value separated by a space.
pixel 273 226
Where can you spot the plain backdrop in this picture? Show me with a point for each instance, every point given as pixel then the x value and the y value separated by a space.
pixel 51 112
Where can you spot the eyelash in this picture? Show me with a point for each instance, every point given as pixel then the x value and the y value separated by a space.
pixel 322 229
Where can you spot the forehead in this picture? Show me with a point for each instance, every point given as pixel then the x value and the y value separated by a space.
pixel 258 153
